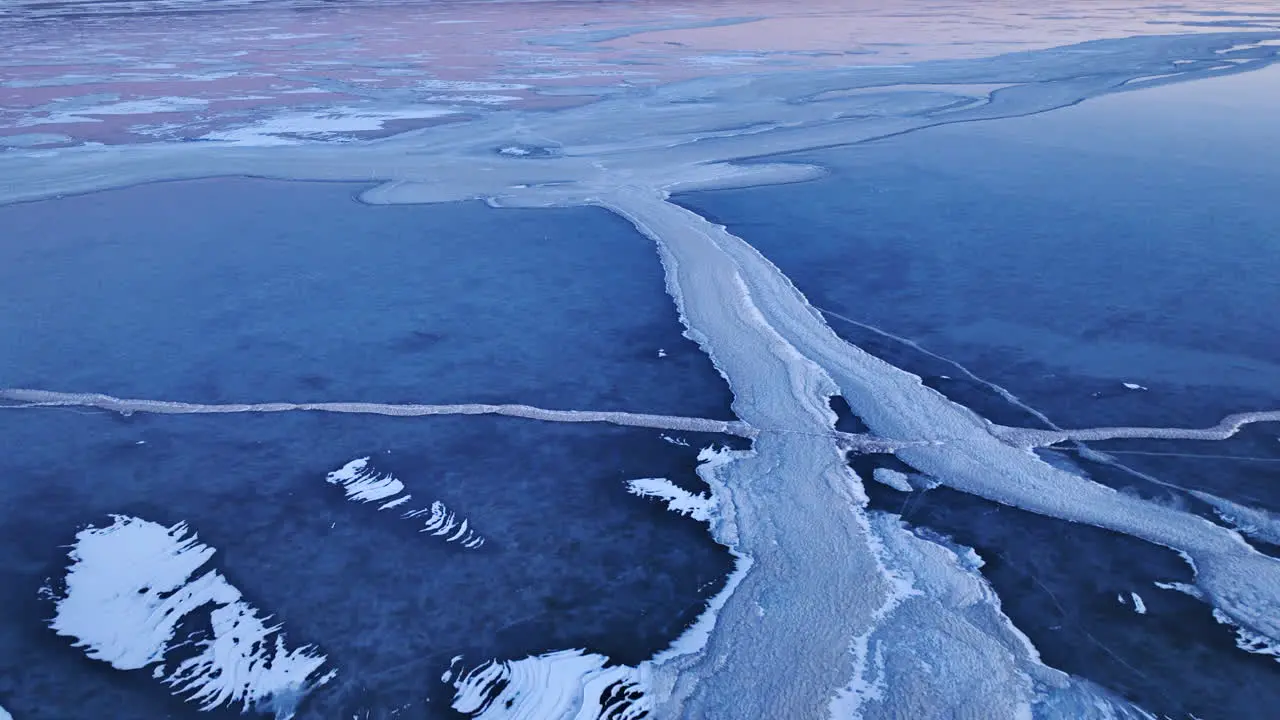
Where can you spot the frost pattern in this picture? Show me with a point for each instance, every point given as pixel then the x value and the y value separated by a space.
pixel 131 584
pixel 364 484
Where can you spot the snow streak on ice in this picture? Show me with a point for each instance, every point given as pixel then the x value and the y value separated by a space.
pixel 700 506
pixel 135 585
pixel 569 685
pixel 364 484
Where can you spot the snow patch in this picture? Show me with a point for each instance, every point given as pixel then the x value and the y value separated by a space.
pixel 364 484
pixel 701 507
pixel 1134 386
pixel 129 587
pixel 1138 606
pixel 293 128
pixel 564 685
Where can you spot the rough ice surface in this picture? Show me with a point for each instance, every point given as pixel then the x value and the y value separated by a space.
pixel 1248 640
pixel 364 484
pixel 133 584
pixel 1253 522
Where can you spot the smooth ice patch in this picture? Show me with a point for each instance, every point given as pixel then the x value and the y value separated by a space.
pixel 364 484
pixel 132 584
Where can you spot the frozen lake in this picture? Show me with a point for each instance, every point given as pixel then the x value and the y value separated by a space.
pixel 613 360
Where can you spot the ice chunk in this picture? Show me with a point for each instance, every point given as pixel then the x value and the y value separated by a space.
pixel 1134 386
pixel 1138 606
pixel 894 479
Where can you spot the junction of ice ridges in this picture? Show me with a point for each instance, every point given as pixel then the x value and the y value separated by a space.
pixel 822 587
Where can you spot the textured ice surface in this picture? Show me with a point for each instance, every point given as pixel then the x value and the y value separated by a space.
pixel 133 584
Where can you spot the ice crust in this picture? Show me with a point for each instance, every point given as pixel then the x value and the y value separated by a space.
pixel 132 584
pixel 821 587
pixel 364 484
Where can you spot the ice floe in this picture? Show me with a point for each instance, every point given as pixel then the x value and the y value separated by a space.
pixel 362 483
pixel 892 478
pixel 134 585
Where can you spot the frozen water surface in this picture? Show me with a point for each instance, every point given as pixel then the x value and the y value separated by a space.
pixel 1016 239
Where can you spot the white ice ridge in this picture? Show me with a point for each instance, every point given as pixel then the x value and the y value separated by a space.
pixel 1227 427
pixel 700 507
pixel 364 484
pixel 129 588
pixel 20 398
pixel 46 398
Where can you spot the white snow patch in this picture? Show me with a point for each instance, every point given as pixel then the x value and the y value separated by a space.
pixel 126 107
pixel 675 440
pixel 1138 606
pixel 129 586
pixel 564 685
pixel 4 714
pixel 662 352
pixel 364 484
pixel 470 86
pixel 701 507
pixel 1134 386
pixel 292 128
